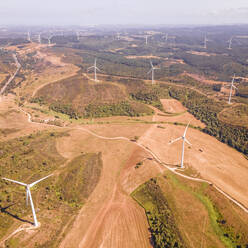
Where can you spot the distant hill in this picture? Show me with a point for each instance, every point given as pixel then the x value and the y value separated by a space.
pixel 78 96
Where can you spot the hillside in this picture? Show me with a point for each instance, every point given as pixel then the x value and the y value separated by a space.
pixel 113 147
pixel 236 115
pixel 78 96
pixel 29 158
pixel 180 213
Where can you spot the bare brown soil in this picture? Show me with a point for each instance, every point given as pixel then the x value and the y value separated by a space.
pixel 226 90
pixel 218 163
pixel 110 215
pixel 183 117
pixel 202 53
pixel 191 215
pixel 169 62
pixel 172 106
pixel 12 118
pixel 50 58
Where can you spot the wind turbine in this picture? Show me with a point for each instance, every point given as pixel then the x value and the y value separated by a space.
pixel 78 38
pixel 118 36
pixel 28 36
pixel 230 43
pixel 49 39
pixel 205 42
pixel 184 139
pixel 232 86
pixel 95 69
pixel 39 38
pixel 166 37
pixel 28 194
pixel 146 39
pixel 152 70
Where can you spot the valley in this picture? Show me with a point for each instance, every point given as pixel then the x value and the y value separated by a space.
pixel 117 180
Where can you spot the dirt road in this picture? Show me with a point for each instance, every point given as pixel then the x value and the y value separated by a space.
pixel 18 65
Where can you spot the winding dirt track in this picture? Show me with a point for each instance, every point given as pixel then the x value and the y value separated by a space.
pixel 159 161
pixel 111 218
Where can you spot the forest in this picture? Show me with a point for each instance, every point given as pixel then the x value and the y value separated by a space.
pixel 206 109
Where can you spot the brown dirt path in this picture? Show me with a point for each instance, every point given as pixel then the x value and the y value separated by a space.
pixel 183 117
pixel 110 214
pixel 217 162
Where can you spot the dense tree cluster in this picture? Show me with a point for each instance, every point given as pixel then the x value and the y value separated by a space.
pixel 118 109
pixel 206 110
pixel 161 220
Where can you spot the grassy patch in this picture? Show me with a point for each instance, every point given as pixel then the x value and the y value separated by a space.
pixel 228 236
pixel 84 171
pixel 24 159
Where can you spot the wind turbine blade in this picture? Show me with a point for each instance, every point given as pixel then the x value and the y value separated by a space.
pixel 186 130
pixel 188 142
pixel 91 67
pixel 98 69
pixel 32 184
pixel 175 140
pixel 149 71
pixel 23 184
pixel 151 64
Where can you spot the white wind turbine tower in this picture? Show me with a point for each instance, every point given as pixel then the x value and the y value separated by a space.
pixel 230 43
pixel 28 194
pixel 231 89
pixel 118 36
pixel 49 39
pixel 95 70
pixel 152 71
pixel 39 38
pixel 78 38
pixel 184 139
pixel 205 42
pixel 146 39
pixel 28 36
pixel 166 37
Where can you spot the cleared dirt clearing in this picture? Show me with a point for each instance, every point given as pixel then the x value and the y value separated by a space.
pixel 172 106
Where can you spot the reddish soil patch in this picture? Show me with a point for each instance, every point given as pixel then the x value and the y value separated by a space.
pixel 172 106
